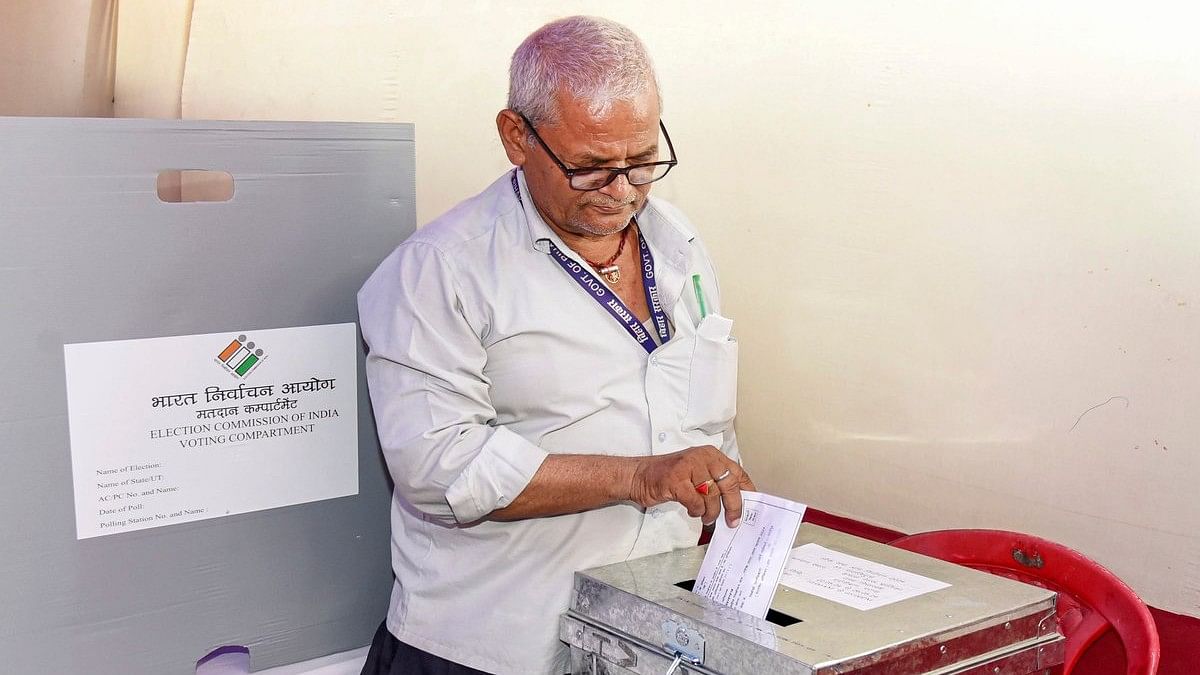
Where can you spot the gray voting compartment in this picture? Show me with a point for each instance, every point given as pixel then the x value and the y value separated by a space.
pixel 637 617
pixel 90 252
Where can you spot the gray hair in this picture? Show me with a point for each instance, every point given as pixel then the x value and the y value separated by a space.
pixel 592 59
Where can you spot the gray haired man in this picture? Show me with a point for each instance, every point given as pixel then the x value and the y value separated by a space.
pixel 553 382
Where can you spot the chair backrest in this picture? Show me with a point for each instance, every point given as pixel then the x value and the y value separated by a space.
pixel 1090 598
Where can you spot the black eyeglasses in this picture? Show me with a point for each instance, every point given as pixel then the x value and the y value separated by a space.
pixel 594 179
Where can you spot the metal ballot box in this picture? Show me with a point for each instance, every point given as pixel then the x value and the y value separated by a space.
pixel 636 617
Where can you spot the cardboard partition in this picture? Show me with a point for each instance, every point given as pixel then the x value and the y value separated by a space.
pixel 102 242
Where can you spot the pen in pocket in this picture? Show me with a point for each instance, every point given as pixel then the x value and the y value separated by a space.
pixel 699 295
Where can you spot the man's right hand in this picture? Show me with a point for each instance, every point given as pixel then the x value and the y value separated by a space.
pixel 674 478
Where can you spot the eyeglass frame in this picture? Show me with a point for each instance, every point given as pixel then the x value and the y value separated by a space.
pixel 613 172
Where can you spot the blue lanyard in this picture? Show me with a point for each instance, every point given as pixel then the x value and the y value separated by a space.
pixel 609 300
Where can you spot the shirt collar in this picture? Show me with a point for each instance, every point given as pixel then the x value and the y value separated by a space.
pixel 540 234
pixel 669 238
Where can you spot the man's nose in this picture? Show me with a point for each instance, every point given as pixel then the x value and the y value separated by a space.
pixel 618 189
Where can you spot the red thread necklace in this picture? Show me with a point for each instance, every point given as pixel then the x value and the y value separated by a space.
pixel 607 268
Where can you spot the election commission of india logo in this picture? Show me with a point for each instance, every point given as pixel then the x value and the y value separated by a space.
pixel 240 356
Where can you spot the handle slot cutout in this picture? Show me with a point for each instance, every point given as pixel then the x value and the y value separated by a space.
pixel 184 186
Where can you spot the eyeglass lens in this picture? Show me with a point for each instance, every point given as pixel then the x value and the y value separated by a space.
pixel 638 175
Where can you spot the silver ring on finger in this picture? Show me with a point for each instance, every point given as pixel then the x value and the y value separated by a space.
pixel 723 476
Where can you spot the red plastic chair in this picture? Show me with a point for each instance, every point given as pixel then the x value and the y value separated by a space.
pixel 1090 598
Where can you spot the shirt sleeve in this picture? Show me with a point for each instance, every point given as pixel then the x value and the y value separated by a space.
pixel 436 423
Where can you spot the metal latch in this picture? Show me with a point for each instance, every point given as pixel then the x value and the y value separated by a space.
pixel 679 640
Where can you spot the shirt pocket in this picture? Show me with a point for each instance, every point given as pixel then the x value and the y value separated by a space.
pixel 712 382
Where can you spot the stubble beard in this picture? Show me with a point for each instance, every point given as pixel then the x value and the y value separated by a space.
pixel 582 224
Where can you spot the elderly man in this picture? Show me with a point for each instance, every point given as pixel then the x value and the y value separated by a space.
pixel 552 380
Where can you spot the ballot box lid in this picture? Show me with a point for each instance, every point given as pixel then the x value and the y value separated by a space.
pixel 979 619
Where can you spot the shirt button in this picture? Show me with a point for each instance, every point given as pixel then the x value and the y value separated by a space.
pixel 654 360
pixel 662 436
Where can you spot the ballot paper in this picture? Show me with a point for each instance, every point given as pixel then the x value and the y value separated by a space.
pixel 742 566
pixel 845 579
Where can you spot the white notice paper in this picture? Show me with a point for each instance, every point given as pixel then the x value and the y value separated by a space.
pixel 742 567
pixel 175 429
pixel 861 584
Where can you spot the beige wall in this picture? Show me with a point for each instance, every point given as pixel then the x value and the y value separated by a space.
pixel 948 231
pixel 151 56
pixel 56 57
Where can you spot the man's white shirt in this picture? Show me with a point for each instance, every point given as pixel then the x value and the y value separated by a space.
pixel 484 357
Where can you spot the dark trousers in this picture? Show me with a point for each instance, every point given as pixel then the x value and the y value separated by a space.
pixel 389 656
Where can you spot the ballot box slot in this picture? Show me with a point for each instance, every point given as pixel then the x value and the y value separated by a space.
pixel 774 616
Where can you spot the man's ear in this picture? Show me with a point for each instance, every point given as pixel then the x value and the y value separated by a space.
pixel 513 135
